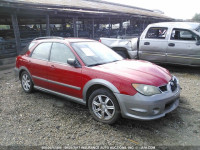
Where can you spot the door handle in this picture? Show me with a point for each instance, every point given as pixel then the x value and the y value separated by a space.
pixel 171 44
pixel 146 43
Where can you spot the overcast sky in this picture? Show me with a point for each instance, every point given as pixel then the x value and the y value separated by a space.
pixel 178 9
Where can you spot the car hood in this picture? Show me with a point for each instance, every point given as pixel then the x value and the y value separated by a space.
pixel 136 71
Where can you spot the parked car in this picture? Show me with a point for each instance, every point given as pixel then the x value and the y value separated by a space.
pixel 168 42
pixel 88 72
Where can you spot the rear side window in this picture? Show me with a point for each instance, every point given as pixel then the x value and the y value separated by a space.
pixel 60 53
pixel 31 45
pixel 28 47
pixel 42 51
pixel 156 33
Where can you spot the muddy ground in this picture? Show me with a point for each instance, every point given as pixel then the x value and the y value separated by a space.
pixel 40 119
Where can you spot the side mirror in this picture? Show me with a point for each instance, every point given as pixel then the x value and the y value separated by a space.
pixel 73 62
pixel 198 43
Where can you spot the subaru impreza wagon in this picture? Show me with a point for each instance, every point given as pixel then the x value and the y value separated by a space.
pixel 88 72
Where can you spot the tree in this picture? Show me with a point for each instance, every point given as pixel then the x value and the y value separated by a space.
pixel 196 17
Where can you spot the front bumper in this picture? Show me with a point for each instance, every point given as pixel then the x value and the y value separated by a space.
pixel 148 107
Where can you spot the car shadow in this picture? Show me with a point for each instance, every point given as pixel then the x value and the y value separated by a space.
pixel 172 119
pixel 78 116
pixel 65 106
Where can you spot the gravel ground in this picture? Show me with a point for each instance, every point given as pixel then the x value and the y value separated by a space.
pixel 40 119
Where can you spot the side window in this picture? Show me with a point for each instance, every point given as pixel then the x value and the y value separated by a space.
pixel 182 34
pixel 42 51
pixel 60 53
pixel 156 33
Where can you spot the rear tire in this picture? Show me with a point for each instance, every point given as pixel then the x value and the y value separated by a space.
pixel 26 82
pixel 103 106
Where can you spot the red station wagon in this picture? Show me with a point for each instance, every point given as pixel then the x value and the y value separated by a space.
pixel 88 72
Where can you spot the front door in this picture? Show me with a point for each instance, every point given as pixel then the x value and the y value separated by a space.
pixel 182 48
pixel 64 78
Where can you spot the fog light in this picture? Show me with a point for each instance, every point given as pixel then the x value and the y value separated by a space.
pixel 156 111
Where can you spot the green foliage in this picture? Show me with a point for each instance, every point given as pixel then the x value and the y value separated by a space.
pixel 196 17
pixel 4 27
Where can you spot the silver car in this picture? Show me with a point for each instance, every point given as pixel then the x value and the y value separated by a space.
pixel 167 42
pixel 175 42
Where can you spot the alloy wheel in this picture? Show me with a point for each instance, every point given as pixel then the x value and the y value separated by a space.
pixel 103 107
pixel 26 82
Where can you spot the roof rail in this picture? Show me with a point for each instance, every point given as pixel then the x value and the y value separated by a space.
pixel 49 37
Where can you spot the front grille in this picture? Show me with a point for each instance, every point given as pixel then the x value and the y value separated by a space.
pixel 163 88
pixel 173 84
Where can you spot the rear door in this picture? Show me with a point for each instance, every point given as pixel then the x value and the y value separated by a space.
pixel 152 46
pixel 182 47
pixel 38 64
pixel 64 78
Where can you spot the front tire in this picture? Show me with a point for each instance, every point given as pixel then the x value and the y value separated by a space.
pixel 26 82
pixel 103 106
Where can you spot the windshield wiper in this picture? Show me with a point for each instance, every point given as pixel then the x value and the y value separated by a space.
pixel 113 61
pixel 95 64
pixel 101 63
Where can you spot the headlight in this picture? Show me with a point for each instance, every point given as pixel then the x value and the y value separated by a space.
pixel 147 90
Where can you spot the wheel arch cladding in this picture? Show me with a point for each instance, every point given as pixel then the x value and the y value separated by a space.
pixel 22 69
pixel 94 84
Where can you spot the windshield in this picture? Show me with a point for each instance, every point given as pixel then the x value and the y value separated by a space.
pixel 196 32
pixel 191 25
pixel 198 29
pixel 95 53
pixel 194 25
